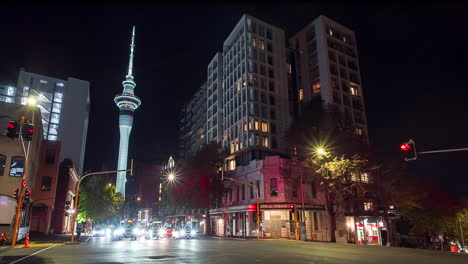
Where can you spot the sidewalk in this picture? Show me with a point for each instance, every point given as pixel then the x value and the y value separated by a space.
pixel 40 240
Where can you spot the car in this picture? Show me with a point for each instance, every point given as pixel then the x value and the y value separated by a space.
pixel 125 230
pixel 99 232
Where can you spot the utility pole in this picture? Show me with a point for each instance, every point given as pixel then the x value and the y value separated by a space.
pixel 77 192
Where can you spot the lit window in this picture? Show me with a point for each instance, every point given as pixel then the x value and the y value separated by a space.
pixel 26 91
pixel 46 183
pixel 55 118
pixel 232 164
pixel 56 108
pixel 58 97
pixel 316 88
pixel 245 126
pixel 51 137
pixel 11 91
pixel 256 125
pixel 354 91
pixel 9 100
pixel 254 42
pixel 60 84
pixel 265 142
pixel 261 44
pixel 365 178
pixel 43 81
pixel 238 85
pixel 330 32
pixel 368 206
pixel 24 100
pixel 289 68
pixel 264 127
pixel 301 94
pixel 358 131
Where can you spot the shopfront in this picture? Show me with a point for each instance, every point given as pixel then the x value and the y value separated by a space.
pixel 369 230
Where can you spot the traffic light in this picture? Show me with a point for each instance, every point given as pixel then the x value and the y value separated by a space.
pixel 28 131
pixel 16 193
pixel 13 129
pixel 27 193
pixel 408 150
pixel 292 207
pixel 67 205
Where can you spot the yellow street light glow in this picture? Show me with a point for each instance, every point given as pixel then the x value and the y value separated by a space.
pixel 32 101
pixel 171 176
pixel 138 198
pixel 321 151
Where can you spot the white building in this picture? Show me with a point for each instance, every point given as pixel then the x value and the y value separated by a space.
pixel 327 65
pixel 64 106
pixel 255 91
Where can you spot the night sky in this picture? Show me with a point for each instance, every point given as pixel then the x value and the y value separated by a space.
pixel 413 59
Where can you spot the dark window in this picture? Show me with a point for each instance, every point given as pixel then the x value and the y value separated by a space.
pixel 269 47
pixel 272 128
pixel 333 69
pixel 17 167
pixel 243 191
pixel 46 183
pixel 251 190
pixel 50 156
pixel 258 186
pixel 269 34
pixel 262 70
pixel 274 143
pixel 238 193
pixel 314 190
pixel 310 34
pixel 272 114
pixel 263 98
pixel 230 194
pixel 272 100
pixel 270 60
pixel 270 73
pixel 316 226
pixel 274 187
pixel 2 164
pixel 271 86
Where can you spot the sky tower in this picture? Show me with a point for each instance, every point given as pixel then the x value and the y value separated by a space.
pixel 127 102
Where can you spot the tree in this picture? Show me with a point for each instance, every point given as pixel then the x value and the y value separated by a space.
pixel 341 168
pixel 98 199
pixel 200 185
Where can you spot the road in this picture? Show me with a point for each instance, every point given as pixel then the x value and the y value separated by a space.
pixel 101 250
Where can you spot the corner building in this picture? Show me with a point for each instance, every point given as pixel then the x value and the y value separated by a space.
pixel 254 92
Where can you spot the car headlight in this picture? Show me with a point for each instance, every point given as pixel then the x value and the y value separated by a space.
pixel 136 231
pixel 193 233
pixel 108 232
pixel 176 234
pixel 119 231
pixel 161 232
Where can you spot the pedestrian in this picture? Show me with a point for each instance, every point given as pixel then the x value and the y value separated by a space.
pixel 78 232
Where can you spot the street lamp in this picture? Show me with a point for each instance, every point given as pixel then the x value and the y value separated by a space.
pixel 320 151
pixel 171 177
pixel 32 101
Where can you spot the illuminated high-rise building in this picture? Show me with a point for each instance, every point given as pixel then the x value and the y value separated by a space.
pixel 127 102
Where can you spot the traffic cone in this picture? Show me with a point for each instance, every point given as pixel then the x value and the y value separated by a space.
pixel 26 241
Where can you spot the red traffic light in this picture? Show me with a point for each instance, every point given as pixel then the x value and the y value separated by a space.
pixel 405 147
pixel 15 191
pixel 292 206
pixel 28 192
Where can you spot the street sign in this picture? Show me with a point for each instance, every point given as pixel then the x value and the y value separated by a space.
pixel 24 183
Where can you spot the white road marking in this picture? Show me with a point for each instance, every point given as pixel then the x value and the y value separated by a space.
pixel 32 254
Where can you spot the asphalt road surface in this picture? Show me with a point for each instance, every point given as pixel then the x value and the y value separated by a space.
pixel 101 250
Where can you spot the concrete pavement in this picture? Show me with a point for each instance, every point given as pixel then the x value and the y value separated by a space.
pixel 102 250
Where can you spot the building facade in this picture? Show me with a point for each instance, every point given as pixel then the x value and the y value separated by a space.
pixel 62 220
pixel 14 166
pixel 64 106
pixel 327 65
pixel 214 95
pixel 192 124
pixel 255 91
pixel 45 187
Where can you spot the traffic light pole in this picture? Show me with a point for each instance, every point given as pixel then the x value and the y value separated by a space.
pixel 77 193
pixel 443 150
pixel 19 204
pixel 257 199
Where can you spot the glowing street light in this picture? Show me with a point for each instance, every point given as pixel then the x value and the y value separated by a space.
pixel 320 151
pixel 32 101
pixel 171 176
